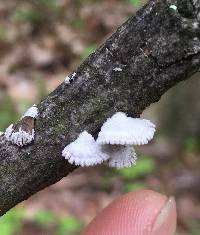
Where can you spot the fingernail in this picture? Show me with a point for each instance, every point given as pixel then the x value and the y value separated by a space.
pixel 165 223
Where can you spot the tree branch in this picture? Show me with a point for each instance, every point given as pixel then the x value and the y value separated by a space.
pixel 156 49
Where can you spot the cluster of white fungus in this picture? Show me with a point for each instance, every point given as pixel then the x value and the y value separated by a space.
pixel 22 133
pixel 19 136
pixel 114 142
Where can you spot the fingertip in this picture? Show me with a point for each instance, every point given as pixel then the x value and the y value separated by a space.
pixel 134 213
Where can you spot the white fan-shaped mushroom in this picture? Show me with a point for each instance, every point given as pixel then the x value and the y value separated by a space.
pixel 84 151
pixel 123 130
pixel 120 156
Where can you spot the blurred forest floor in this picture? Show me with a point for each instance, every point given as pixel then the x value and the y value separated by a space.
pixel 41 42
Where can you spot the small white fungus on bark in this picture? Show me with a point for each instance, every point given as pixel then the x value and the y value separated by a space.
pixel 123 130
pixel 20 137
pixel 31 112
pixel 84 151
pixel 22 133
pixel 69 79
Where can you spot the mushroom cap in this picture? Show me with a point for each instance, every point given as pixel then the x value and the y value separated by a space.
pixel 31 112
pixel 84 151
pixel 123 130
pixel 19 136
pixel 120 156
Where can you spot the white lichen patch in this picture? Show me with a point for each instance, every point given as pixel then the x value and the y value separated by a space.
pixel 84 151
pixel 123 130
pixel 31 112
pixel 117 69
pixel 1 133
pixel 174 7
pixel 18 136
pixel 120 156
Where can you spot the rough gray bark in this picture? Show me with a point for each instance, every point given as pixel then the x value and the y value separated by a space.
pixel 155 49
